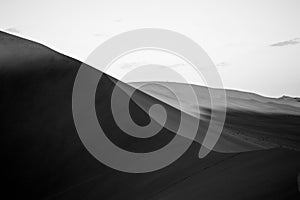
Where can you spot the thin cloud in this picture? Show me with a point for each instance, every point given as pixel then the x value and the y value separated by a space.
pixel 13 30
pixel 130 65
pixel 127 66
pixel 100 35
pixel 118 20
pixel 222 64
pixel 286 43
pixel 177 65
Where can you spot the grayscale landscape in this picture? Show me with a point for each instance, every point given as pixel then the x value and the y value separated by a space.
pixel 256 157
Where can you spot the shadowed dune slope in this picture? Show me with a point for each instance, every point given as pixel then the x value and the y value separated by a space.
pixel 43 157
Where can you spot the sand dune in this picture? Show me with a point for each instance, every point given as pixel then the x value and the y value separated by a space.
pixel 236 100
pixel 45 159
pixel 268 122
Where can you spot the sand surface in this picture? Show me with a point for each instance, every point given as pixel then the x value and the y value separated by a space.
pixel 43 157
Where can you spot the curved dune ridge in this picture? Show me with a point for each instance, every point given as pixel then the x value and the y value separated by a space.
pixel 257 156
pixel 236 100
pixel 259 116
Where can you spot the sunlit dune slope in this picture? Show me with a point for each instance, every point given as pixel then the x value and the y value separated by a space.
pixel 236 100
pixel 252 120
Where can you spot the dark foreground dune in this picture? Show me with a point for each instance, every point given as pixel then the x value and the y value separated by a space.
pixel 43 157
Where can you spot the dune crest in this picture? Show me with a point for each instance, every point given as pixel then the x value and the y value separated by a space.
pixel 44 158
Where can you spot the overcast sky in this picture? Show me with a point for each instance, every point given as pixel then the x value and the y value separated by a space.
pixel 255 44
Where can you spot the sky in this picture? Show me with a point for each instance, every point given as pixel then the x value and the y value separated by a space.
pixel 254 44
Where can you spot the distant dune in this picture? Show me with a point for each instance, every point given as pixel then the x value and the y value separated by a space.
pixel 253 122
pixel 257 156
pixel 236 100
pixel 297 99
